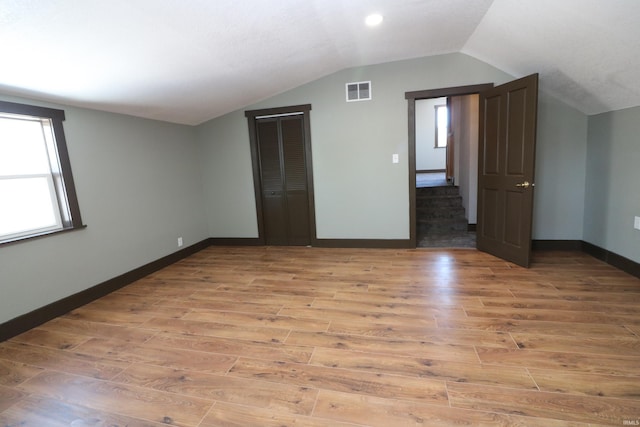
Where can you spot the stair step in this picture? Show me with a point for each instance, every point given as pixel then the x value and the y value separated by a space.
pixel 448 240
pixel 442 225
pixel 426 201
pixel 443 190
pixel 436 212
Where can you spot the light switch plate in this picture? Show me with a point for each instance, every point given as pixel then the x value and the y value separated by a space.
pixel 636 223
pixel 395 158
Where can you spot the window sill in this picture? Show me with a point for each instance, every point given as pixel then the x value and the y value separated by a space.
pixel 39 235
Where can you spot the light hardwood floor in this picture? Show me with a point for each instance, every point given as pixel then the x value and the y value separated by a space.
pixel 255 336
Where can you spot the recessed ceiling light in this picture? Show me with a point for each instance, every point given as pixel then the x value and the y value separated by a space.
pixel 373 19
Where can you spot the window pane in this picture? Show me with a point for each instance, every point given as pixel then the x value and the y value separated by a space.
pixel 22 148
pixel 442 117
pixel 352 92
pixel 442 137
pixel 27 204
pixel 441 126
pixel 364 90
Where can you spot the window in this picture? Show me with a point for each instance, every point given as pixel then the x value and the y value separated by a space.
pixel 442 126
pixel 358 91
pixel 37 195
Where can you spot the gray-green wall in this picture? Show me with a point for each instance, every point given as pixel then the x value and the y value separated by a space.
pixel 613 182
pixel 359 192
pixel 139 188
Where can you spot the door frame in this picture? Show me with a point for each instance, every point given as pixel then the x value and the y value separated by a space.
pixel 251 116
pixel 411 98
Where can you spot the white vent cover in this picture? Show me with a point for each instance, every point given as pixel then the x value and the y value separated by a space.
pixel 358 91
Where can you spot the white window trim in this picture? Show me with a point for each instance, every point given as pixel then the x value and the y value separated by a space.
pixel 346 88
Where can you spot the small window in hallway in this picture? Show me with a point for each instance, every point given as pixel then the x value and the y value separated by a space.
pixel 442 126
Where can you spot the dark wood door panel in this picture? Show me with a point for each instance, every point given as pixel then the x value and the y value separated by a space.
pixel 491 147
pixel 293 153
pixel 513 219
pixel 506 162
pixel 515 139
pixel 269 151
pixel 298 212
pixel 275 219
pixel 488 215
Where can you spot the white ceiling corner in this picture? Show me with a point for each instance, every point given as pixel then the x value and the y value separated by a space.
pixel 586 51
pixel 187 61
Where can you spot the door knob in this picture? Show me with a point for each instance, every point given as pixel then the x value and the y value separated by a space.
pixel 525 184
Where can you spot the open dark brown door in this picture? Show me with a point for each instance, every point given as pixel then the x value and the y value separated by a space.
pixel 506 161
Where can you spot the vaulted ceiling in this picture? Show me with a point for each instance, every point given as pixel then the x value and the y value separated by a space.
pixel 187 61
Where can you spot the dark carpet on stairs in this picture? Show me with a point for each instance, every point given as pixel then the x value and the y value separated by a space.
pixel 441 218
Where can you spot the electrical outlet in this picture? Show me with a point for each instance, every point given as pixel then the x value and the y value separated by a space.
pixel 180 242
pixel 636 223
pixel 395 158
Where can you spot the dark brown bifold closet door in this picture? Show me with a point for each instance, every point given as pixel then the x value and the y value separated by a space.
pixel 285 197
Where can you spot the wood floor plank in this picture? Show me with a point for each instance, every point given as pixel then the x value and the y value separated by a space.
pixel 605 297
pixel 425 333
pixel 549 315
pixel 543 327
pixel 389 298
pixel 229 415
pixel 635 329
pixel 450 352
pixel 291 290
pixel 62 360
pixel 357 318
pixel 627 307
pixel 253 320
pixel 267 351
pixel 415 310
pixel 9 396
pixel 225 330
pixel 93 329
pixel 324 285
pixel 51 339
pixel 131 401
pixel 375 411
pixel 558 406
pixel 245 391
pixel 134 319
pixel 627 346
pixel 375 384
pixel 423 368
pixel 577 362
pixel 222 305
pixel 35 411
pixel 172 357
pixel 587 384
pixel 440 292
pixel 13 372
pixel 268 298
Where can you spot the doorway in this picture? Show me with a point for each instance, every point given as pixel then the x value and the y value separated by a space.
pixel 283 177
pixel 450 229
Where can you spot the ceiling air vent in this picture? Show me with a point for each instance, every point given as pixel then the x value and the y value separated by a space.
pixel 358 91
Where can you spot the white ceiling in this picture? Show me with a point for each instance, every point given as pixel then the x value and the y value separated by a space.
pixel 187 61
